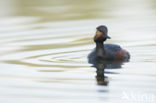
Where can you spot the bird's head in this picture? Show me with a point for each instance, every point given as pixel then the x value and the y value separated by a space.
pixel 101 34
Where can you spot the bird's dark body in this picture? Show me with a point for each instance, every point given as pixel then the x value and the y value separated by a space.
pixel 104 51
pixel 112 52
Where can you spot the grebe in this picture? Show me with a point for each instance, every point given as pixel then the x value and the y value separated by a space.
pixel 106 51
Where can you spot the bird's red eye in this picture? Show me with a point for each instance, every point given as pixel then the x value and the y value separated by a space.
pixel 101 34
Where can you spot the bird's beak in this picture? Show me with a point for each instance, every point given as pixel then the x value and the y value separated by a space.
pixel 108 37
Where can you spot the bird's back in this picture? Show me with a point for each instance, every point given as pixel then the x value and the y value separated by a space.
pixel 112 52
pixel 111 49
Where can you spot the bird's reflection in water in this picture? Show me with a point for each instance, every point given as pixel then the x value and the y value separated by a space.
pixel 101 65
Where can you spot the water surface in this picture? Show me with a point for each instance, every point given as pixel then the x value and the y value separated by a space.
pixel 45 43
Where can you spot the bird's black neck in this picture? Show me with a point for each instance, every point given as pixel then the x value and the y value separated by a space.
pixel 100 52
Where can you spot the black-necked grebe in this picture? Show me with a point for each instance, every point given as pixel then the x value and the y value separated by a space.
pixel 106 51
